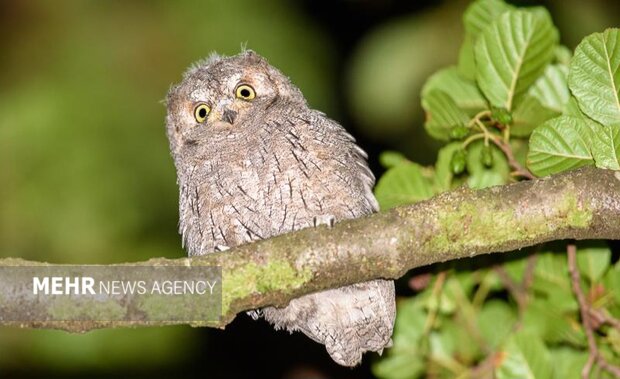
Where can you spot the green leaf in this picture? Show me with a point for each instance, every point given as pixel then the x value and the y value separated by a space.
pixel 453 329
pixel 399 366
pixel 463 92
pixel 481 176
pixel 530 114
pixel 605 145
pixel 389 159
pixel 478 16
pixel 442 114
pixel 551 89
pixel 552 325
pixel 467 64
pixel 551 272
pixel 560 144
pixel 605 141
pixel 516 268
pixel 612 282
pixel 568 362
pixel 594 261
pixel 403 184
pixel 495 322
pixel 525 357
pixel 613 336
pixel 594 76
pixel 481 13
pixel 512 53
pixel 409 324
pixel 405 359
pixel 572 109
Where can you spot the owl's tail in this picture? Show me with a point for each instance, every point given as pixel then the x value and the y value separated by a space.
pixel 349 321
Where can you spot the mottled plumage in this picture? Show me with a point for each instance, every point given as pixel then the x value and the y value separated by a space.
pixel 258 166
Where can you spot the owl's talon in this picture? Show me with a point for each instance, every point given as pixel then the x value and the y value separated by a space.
pixel 328 220
pixel 221 247
pixel 255 314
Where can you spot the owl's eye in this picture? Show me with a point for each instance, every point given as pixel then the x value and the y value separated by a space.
pixel 201 112
pixel 245 92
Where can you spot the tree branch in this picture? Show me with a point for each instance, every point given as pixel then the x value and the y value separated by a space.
pixel 582 204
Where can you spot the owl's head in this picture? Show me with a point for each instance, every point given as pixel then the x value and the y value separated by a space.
pixel 222 95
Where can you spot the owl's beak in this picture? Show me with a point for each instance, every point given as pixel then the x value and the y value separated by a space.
pixel 225 115
pixel 229 116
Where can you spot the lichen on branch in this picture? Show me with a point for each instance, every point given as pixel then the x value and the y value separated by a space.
pixel 581 204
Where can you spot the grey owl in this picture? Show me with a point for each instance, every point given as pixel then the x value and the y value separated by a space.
pixel 254 161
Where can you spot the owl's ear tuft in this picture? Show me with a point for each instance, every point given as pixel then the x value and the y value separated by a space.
pixel 196 66
pixel 252 56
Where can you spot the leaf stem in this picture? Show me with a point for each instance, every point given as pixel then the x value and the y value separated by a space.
pixel 512 161
pixel 472 138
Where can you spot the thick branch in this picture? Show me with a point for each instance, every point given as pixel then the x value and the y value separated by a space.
pixel 582 204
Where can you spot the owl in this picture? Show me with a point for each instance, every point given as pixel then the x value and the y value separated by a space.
pixel 254 161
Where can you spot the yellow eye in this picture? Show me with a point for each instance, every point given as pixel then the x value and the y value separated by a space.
pixel 201 112
pixel 245 92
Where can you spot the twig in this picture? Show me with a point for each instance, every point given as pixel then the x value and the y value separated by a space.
pixel 512 161
pixel 482 369
pixel 584 309
pixel 604 318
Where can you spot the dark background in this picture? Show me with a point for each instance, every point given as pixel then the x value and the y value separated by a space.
pixel 85 172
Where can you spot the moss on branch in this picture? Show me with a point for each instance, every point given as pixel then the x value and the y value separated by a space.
pixel 581 204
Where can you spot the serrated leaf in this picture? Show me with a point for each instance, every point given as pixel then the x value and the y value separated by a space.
pixel 442 114
pixel 467 65
pixel 443 171
pixel 572 109
pixel 593 261
pixel 568 362
pixel 560 144
pixel 611 281
pixel 512 53
pixel 530 114
pixel 481 176
pixel 409 324
pixel 594 77
pixel 525 357
pixel 405 359
pixel 403 184
pixel 605 146
pixel 551 89
pixel 453 330
pixel 481 13
pixel 463 92
pixel 495 322
pixel 551 271
pixel 613 336
pixel 605 141
pixel 553 326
